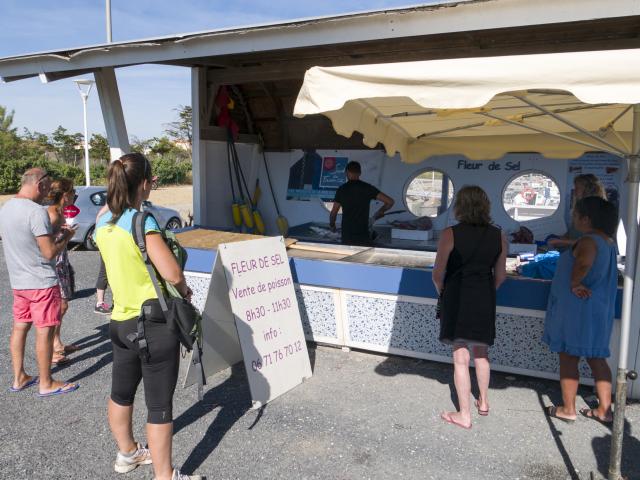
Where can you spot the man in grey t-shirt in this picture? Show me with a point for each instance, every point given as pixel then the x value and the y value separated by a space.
pixel 30 250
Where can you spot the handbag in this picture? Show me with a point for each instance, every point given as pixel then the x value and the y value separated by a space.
pixel 182 318
pixel 459 270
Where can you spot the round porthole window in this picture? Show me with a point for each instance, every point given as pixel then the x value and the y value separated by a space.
pixel 531 196
pixel 429 193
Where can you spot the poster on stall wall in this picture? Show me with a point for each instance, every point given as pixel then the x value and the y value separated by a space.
pixel 608 169
pixel 265 308
pixel 314 176
pixel 333 172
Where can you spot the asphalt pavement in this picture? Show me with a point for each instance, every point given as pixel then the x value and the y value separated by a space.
pixel 361 416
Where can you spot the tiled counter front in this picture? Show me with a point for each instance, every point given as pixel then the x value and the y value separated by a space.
pixel 320 314
pixel 408 326
pixel 392 310
pixel 199 284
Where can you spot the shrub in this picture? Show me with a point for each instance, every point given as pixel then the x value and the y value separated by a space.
pixel 11 171
pixel 169 171
pixel 98 174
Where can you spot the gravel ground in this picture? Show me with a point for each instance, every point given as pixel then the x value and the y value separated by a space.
pixel 361 416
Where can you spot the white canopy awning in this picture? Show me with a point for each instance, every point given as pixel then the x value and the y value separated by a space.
pixel 483 107
pixel 560 105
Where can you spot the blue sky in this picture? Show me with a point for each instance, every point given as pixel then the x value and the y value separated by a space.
pixel 149 93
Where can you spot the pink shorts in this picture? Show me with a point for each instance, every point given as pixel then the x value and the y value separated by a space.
pixel 40 307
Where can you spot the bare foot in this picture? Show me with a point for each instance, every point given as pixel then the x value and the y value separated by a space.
pixel 596 414
pixel 56 385
pixel 59 358
pixel 561 413
pixel 457 418
pixel 20 382
pixel 483 407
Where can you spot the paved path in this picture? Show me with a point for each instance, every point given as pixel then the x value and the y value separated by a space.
pixel 361 416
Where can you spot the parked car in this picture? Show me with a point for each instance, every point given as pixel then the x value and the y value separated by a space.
pixel 90 200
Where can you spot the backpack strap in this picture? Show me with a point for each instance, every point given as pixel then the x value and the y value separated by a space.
pixel 196 360
pixel 137 224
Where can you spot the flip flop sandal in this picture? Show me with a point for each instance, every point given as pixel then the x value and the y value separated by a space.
pixel 30 383
pixel 66 388
pixel 71 348
pixel 590 414
pixel 447 419
pixel 551 411
pixel 482 413
pixel 60 361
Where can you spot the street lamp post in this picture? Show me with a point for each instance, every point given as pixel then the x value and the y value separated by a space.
pixel 108 18
pixel 84 87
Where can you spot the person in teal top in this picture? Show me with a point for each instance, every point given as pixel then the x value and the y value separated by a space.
pixel 581 307
pixel 584 185
pixel 129 183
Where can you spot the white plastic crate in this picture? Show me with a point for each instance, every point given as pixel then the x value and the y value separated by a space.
pixel 411 234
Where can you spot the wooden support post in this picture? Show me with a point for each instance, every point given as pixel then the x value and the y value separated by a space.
pixel 107 86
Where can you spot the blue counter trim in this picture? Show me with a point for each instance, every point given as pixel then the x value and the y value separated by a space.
pixel 199 260
pixel 369 278
pixel 522 293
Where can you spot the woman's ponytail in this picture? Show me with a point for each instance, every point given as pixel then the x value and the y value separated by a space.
pixel 117 189
pixel 124 178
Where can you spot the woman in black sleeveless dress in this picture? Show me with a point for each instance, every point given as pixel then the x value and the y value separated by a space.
pixel 470 265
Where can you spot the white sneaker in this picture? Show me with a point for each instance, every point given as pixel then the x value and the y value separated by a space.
pixel 181 476
pixel 126 463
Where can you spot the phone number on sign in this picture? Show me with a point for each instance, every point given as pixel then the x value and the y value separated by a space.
pixel 276 356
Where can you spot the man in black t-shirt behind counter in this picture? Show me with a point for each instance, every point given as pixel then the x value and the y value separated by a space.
pixel 354 197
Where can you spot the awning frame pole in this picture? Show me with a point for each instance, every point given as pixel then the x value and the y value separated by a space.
pixel 480 124
pixel 570 124
pixel 612 126
pixel 619 137
pixel 633 179
pixel 524 117
pixel 554 134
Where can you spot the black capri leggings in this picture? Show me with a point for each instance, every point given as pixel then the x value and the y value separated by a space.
pixel 160 373
pixel 101 282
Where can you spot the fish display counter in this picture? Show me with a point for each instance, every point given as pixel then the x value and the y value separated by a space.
pixel 318 232
pixel 383 300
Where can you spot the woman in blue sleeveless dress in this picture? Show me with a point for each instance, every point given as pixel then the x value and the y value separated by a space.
pixel 581 307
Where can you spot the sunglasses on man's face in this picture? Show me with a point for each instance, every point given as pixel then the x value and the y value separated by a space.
pixel 42 178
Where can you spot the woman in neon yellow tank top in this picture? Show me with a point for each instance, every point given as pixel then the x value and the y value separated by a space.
pixel 129 184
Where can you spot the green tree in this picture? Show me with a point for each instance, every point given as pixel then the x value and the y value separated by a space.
pixel 11 145
pixel 6 120
pixel 99 148
pixel 180 130
pixel 37 140
pixel 66 145
pixel 164 147
pixel 140 146
pixel 19 153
